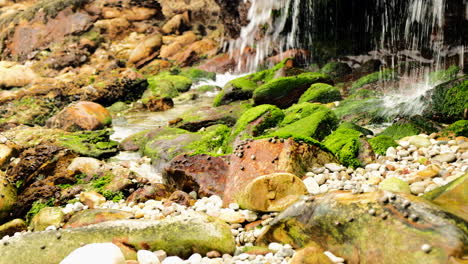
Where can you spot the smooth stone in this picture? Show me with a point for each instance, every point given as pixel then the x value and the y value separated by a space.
pixel 310 255
pixel 395 184
pixel 418 141
pixel 312 186
pixel 173 260
pixel 334 167
pixel 418 187
pixel 445 157
pixel 147 257
pixel 320 179
pixel 97 253
pixel 92 199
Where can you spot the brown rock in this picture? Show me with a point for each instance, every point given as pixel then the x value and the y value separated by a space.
pixel 219 64
pixel 202 48
pixel 175 23
pixel 298 55
pixel 150 192
pixel 92 199
pixel 81 116
pixel 94 216
pixel 310 255
pixel 213 254
pixel 428 173
pixel 167 51
pixel 14 75
pixel 181 198
pixel 156 104
pixel 145 48
pixel 11 227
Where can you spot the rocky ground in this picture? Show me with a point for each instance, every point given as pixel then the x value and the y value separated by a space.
pixel 295 163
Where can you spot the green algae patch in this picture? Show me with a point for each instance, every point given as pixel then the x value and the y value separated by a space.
pixel 286 91
pixel 444 75
pixel 321 93
pixel 459 128
pixel 181 236
pixel 197 75
pixel 213 140
pixel 384 75
pixel 300 111
pixel 165 85
pixel 28 111
pixel 90 143
pixel 345 144
pixel 381 143
pixel 395 184
pixel 353 126
pixel 361 107
pixel 399 131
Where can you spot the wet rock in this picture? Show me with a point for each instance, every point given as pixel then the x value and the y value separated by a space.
pixel 5 154
pixel 395 184
pixel 195 51
pixel 8 198
pixel 143 50
pixel 96 253
pixel 298 55
pixel 418 141
pixel 349 225
pixel 92 199
pixel 271 193
pixel 150 192
pixel 48 216
pixel 95 216
pixel 155 103
pixel 310 255
pixel 85 165
pixel 11 227
pixel 219 64
pixel 14 75
pixel 81 116
pixel 195 119
pixel 95 144
pixel 453 197
pixel 181 198
pixel 175 23
pixel 179 236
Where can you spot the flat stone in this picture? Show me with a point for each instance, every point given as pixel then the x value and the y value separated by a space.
pixel 311 185
pixel 334 167
pixel 445 157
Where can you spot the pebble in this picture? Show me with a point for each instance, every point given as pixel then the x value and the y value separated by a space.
pixel 147 257
pixel 173 260
pixel 334 167
pixel 334 258
pixel 426 248
pixel 312 186
pixel 445 157
pixel 97 253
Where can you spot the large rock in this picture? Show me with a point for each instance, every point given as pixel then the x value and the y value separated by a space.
pixel 5 154
pixel 95 216
pixel 81 116
pixel 47 216
pixel 8 197
pixel 143 50
pixel 196 118
pixel 354 226
pixel 13 75
pixel 181 235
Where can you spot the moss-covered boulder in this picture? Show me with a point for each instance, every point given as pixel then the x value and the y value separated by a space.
pixel 459 128
pixel 7 198
pixel 47 216
pixel 395 184
pixel 284 92
pixel 376 77
pixel 398 131
pixel 354 226
pixel 380 144
pixel 13 226
pixel 178 236
pixel 336 70
pixel 95 216
pixel 243 87
pixel 449 101
pixel 361 107
pixel 353 126
pixel 165 85
pixel 321 93
pixel 197 75
pixel 90 143
pixel 345 144
pixel 453 197
pixel 307 120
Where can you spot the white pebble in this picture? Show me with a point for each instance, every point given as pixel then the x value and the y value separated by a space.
pixel 98 253
pixel 172 260
pixel 333 258
pixel 147 257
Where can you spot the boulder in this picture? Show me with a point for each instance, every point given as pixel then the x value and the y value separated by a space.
pixel 196 118
pixel 96 253
pixel 14 75
pixel 353 226
pixel 95 216
pixel 175 23
pixel 321 93
pixel 13 226
pixel 180 235
pixel 220 64
pixel 81 116
pixel 150 192
pixel 47 216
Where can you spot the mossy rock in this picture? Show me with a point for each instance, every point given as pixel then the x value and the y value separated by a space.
pixel 208 88
pixel 118 107
pixel 138 140
pixel 380 76
pixel 316 122
pixel 321 93
pixel 214 140
pixel 353 126
pixel 449 101
pixel 285 91
pixel 380 144
pixel 399 131
pixel 459 128
pixel 362 107
pixel 181 236
pixel 90 143
pixel 336 70
pixel 197 75
pixel 395 184
pixel 444 75
pixel 47 216
pixel 255 121
pixel 166 85
pixel 242 88
pixel 94 216
pixel 28 110
pixel 8 198
pixel 345 144
pixel 13 226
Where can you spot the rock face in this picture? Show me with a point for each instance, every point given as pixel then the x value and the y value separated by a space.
pixel 81 116
pixel 353 226
pixel 179 236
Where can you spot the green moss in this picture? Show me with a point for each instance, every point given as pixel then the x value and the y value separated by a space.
pixel 385 75
pixel 459 128
pixel 444 75
pixel 37 206
pixel 270 114
pixel 449 100
pixel 197 75
pixel 321 93
pixel 398 131
pixel 166 85
pixel 118 107
pixel 380 144
pixel 317 125
pixel 362 108
pixel 345 144
pixel 299 111
pixel 90 143
pixel 336 69
pixel 213 140
pixel 28 110
pixel 208 88
pixel 350 125
pixel 284 86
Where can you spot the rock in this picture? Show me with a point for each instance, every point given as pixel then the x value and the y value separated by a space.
pixel 85 165
pixel 167 51
pixel 95 144
pixel 349 225
pixel 145 48
pixel 166 86
pixel 155 103
pixel 199 117
pixel 334 167
pixel 336 70
pixel 96 253
pixel 394 184
pixel 92 199
pixel 321 93
pixel 428 173
pixel 48 216
pixel 173 260
pixel 175 23
pixel 14 75
pixel 445 157
pixel 147 257
pixel 13 226
pixel 180 235
pixel 310 255
pixel 219 64
pixel 298 55
pixel 181 198
pixel 8 198
pixel 311 185
pixel 94 216
pixel 196 51
pixel 271 193
pixel 81 116
pixel 231 216
pixel 453 197
pixel 418 141
pixel 418 187
pixel 154 191
pixel 285 91
pixel 5 154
